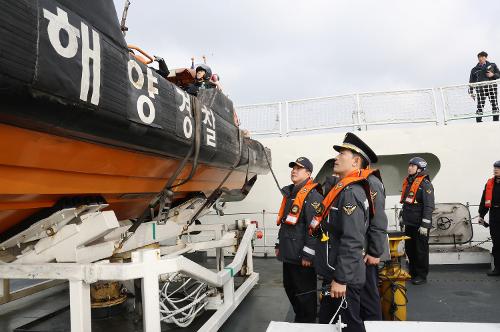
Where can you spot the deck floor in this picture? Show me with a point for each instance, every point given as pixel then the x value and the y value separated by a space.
pixel 454 293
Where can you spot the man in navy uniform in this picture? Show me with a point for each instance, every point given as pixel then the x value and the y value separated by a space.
pixel 342 222
pixel 417 197
pixel 490 202
pixel 485 71
pixel 376 237
pixel 295 247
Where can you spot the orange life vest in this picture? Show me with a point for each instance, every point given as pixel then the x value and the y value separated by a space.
pixel 488 193
pixel 298 203
pixel 355 177
pixel 412 194
pixel 365 173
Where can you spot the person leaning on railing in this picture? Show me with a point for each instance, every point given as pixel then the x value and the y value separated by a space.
pixel 482 72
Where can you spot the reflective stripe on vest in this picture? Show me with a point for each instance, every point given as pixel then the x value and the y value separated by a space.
pixel 297 204
pixel 412 194
pixel 324 210
pixel 488 193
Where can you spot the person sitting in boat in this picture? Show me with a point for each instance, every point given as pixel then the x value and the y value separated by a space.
pixel 202 80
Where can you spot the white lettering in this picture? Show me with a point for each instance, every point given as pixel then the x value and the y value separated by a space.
pixel 140 109
pixel 188 127
pixel 60 22
pixel 186 104
pixel 211 137
pixel 209 117
pixel 151 82
pixel 95 55
pixel 132 65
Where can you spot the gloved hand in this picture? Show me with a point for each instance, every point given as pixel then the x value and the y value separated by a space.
pixel 481 221
pixel 400 219
pixel 423 231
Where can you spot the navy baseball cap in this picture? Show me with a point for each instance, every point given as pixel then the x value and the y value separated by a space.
pixel 302 162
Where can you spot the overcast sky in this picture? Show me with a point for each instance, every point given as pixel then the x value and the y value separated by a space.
pixel 270 50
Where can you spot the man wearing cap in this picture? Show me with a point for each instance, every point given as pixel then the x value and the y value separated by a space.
pixel 482 72
pixel 417 197
pixel 490 202
pixel 342 221
pixel 295 247
pixel 377 242
pixel 376 237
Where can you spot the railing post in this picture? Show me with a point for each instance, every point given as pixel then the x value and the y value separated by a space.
pixel 280 118
pixel 358 111
pixel 287 116
pixel 445 108
pixel 435 106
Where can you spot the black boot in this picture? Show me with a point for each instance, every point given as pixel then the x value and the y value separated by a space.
pixel 493 273
pixel 418 281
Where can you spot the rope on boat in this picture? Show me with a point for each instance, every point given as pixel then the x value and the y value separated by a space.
pixel 165 197
pixel 271 169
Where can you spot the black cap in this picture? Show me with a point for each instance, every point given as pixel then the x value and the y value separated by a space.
pixel 302 162
pixel 354 143
pixel 497 164
pixel 482 53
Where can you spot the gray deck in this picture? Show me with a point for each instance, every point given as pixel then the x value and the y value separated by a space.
pixel 454 293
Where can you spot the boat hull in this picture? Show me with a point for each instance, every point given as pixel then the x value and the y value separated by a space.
pixel 38 169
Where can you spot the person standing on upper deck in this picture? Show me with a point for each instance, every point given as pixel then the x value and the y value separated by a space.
pixel 295 247
pixel 417 197
pixel 484 71
pixel 490 202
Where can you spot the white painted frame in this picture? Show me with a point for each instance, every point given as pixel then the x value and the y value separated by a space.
pixel 148 265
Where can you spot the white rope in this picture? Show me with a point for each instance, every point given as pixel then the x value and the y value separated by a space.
pixel 344 301
pixel 182 305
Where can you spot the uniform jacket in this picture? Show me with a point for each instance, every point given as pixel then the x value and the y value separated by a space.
pixel 344 250
pixel 419 214
pixel 376 236
pixel 294 241
pixel 495 202
pixel 478 73
pixel 193 88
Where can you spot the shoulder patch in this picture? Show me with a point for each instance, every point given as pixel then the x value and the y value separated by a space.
pixel 349 209
pixel 373 194
pixel 429 191
pixel 318 207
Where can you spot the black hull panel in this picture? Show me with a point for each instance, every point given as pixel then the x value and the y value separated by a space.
pixel 67 71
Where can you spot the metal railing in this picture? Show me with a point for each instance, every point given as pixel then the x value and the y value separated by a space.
pixel 360 110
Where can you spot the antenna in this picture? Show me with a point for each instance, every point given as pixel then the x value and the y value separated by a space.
pixel 204 59
pixel 192 62
pixel 124 18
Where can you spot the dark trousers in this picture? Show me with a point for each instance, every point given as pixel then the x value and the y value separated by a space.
pixel 350 314
pixel 495 236
pixel 371 308
pixel 417 250
pixel 300 286
pixel 490 92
